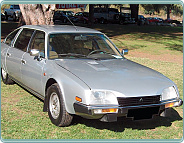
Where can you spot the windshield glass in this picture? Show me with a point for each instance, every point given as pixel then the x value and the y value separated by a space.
pixel 16 7
pixel 79 45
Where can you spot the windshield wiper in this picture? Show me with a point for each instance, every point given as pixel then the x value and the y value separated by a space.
pixel 72 54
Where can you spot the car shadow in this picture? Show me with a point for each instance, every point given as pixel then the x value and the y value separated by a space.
pixel 123 123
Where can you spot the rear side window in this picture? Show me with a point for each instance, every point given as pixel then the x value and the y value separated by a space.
pixel 10 37
pixel 23 39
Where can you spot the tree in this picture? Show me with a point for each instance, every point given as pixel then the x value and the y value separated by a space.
pixel 37 14
pixel 91 14
pixel 176 8
pixel 134 11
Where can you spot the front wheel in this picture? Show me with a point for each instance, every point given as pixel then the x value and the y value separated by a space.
pixel 5 77
pixel 57 111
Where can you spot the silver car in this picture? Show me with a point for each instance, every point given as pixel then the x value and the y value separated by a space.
pixel 79 71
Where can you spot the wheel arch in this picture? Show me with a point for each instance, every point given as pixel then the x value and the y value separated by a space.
pixel 48 84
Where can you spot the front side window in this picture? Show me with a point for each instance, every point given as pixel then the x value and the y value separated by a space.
pixel 79 45
pixel 23 39
pixel 9 38
pixel 38 42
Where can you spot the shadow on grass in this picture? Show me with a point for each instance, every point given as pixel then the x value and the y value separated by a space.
pixel 123 123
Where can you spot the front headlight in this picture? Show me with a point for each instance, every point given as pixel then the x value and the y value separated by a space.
pixel 102 98
pixel 169 93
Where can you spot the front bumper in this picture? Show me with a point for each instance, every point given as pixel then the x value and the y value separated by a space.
pixel 87 111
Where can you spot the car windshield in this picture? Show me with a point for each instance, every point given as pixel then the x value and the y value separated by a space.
pixel 79 45
pixel 16 7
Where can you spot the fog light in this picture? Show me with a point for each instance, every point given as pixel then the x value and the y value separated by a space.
pixel 169 105
pixel 102 111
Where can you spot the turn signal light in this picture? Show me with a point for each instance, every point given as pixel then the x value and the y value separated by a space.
pixel 102 111
pixel 78 99
pixel 109 110
pixel 169 105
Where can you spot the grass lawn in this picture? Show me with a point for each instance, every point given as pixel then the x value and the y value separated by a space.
pixel 159 48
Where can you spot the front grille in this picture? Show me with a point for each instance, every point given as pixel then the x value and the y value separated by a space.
pixel 133 101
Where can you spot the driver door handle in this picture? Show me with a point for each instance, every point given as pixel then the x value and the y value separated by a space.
pixel 8 54
pixel 23 62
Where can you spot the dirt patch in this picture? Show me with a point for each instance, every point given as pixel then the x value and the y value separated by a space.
pixel 163 57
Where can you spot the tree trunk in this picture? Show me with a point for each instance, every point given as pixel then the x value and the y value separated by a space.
pixel 91 14
pixel 134 11
pixel 168 11
pixel 37 14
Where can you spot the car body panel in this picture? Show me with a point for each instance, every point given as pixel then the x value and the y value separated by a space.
pixel 119 75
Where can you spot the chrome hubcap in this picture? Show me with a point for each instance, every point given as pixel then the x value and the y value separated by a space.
pixel 4 74
pixel 54 105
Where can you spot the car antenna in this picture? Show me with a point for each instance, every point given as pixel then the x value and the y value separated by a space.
pixel 72 23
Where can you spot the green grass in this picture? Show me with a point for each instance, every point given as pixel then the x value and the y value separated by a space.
pixel 22 116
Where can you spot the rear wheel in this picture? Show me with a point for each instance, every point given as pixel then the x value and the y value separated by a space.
pixel 102 21
pixel 5 77
pixel 14 17
pixel 85 22
pixel 57 111
pixel 64 20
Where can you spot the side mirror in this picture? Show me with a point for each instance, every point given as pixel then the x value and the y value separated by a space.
pixel 35 52
pixel 124 52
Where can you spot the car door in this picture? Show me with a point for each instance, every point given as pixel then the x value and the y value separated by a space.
pixel 5 45
pixel 32 69
pixel 15 53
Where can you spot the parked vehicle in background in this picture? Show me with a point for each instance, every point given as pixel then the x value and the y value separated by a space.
pixel 104 15
pixel 83 17
pixel 142 20
pixel 68 13
pixel 63 16
pixel 153 20
pixel 125 16
pixel 2 17
pixel 79 71
pixel 13 12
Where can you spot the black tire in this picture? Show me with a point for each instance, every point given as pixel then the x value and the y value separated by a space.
pixel 102 20
pixel 121 22
pixel 85 22
pixel 14 17
pixel 64 20
pixel 6 16
pixel 56 107
pixel 5 77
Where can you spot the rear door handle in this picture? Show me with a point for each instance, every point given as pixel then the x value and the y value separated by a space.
pixel 8 54
pixel 23 62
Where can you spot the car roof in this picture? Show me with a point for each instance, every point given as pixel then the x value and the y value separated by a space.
pixel 61 29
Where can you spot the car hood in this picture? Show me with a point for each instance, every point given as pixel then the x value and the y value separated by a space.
pixel 120 75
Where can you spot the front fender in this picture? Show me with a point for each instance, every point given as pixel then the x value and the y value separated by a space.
pixel 70 85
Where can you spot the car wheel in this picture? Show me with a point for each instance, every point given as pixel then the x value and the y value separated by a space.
pixel 102 20
pixel 57 111
pixel 14 17
pixel 85 22
pixel 64 20
pixel 6 16
pixel 5 78
pixel 121 22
